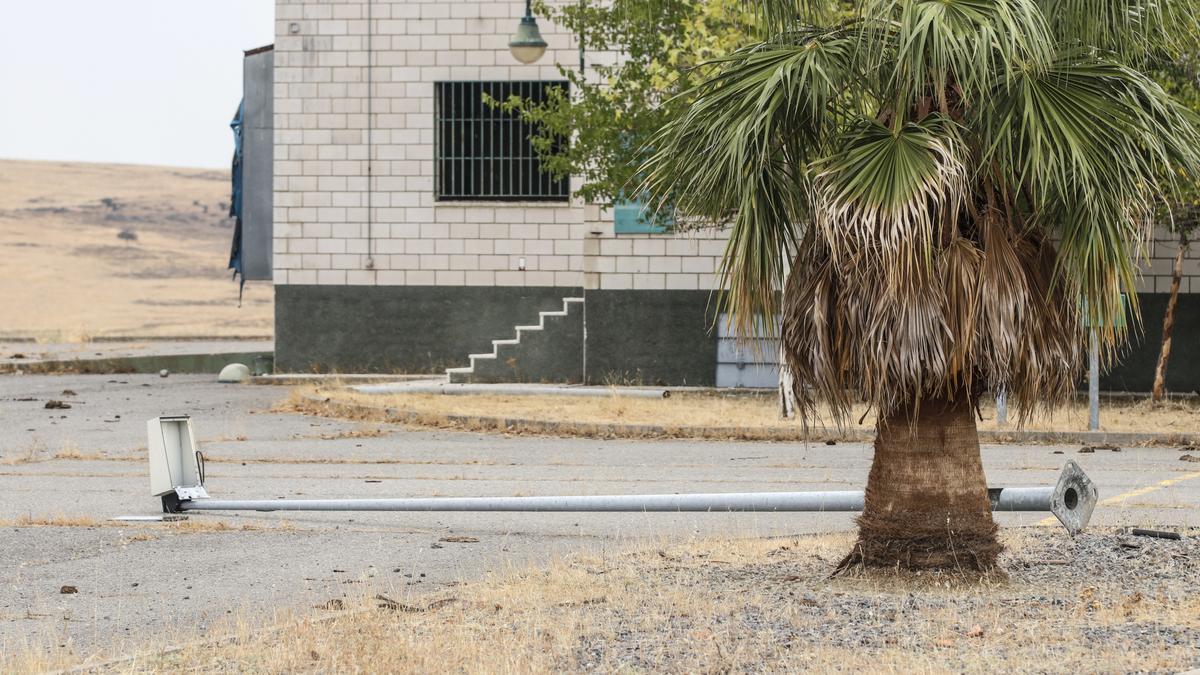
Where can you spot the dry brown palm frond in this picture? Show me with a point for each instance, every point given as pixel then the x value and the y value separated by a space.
pixel 986 315
pixel 1052 336
pixel 960 270
pixel 922 162
pixel 1005 297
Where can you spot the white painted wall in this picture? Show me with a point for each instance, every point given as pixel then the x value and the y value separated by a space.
pixel 322 155
pixel 323 234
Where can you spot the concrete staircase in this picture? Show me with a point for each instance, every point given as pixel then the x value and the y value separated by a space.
pixel 550 351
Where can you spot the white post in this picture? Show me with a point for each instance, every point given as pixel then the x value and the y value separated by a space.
pixel 1094 382
pixel 1002 408
pixel 787 394
pixel 787 391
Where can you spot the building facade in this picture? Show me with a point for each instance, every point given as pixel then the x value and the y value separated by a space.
pixel 412 228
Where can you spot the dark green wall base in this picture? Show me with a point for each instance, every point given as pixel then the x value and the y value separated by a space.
pixel 1135 371
pixel 651 337
pixel 634 337
pixel 398 329
pixel 553 354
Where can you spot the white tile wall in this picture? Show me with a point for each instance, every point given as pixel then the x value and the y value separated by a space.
pixel 1156 272
pixel 327 160
pixel 357 207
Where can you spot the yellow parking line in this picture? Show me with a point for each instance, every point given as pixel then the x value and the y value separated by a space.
pixel 1133 493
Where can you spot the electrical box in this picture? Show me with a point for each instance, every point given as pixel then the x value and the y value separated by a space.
pixel 176 465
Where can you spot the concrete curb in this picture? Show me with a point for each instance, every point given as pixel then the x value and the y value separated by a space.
pixel 293 379
pixel 773 433
pixel 1118 438
pixel 26 339
pixel 175 363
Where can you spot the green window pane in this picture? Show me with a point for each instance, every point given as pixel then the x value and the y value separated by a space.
pixel 632 217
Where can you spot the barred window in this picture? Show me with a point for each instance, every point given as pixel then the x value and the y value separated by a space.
pixel 483 152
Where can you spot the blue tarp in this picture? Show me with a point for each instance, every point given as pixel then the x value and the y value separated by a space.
pixel 235 201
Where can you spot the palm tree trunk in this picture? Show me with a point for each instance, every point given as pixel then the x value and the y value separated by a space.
pixel 926 500
pixel 1164 353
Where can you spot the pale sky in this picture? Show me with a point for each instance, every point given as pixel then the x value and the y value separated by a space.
pixel 125 81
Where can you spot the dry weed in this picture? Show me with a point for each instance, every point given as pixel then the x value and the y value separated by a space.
pixel 53 521
pixel 71 451
pixel 32 453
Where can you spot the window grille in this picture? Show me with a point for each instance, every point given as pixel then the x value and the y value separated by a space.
pixel 483 152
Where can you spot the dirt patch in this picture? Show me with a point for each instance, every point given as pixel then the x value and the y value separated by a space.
pixel 98 242
pixel 757 605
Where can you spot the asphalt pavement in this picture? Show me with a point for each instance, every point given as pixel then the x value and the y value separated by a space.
pixel 65 472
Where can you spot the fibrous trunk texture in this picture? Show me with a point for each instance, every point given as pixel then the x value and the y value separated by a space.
pixel 1160 371
pixel 926 499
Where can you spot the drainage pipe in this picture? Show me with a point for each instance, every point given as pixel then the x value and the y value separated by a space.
pixel 506 390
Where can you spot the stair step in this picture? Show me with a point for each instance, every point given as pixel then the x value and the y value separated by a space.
pixel 469 374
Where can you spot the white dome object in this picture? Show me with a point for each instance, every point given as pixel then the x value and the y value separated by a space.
pixel 233 373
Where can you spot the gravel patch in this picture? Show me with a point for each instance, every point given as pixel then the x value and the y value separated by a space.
pixel 1102 602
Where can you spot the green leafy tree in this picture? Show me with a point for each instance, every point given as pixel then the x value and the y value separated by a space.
pixel 613 108
pixel 955 190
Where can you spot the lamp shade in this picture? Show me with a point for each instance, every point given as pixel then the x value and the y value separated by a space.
pixel 527 44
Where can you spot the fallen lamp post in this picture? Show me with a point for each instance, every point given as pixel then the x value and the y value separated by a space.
pixel 177 477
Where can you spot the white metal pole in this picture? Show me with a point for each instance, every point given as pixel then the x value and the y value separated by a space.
pixel 1003 499
pixel 735 501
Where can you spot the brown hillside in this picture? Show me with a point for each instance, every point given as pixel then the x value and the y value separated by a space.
pixel 66 274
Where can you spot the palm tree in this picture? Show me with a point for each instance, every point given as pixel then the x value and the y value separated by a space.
pixel 956 191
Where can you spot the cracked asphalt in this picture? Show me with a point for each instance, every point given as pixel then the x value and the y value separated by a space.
pixel 64 473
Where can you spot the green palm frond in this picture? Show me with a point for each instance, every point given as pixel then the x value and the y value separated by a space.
pixel 1135 30
pixel 779 16
pixel 887 191
pixel 951 49
pixel 1094 143
pixel 737 155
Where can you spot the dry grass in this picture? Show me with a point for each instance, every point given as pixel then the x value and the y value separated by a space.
pixel 59 237
pixel 53 521
pixel 688 414
pixel 732 606
pixel 71 451
pixel 36 452
pixel 33 452
pixel 30 454
pixel 369 432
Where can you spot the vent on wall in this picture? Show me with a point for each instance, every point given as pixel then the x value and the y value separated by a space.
pixel 483 152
